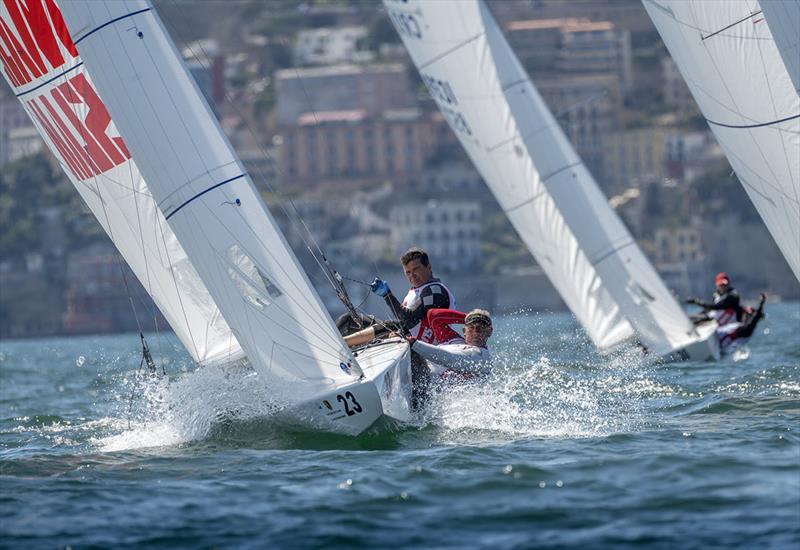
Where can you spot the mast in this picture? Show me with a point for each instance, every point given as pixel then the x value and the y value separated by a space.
pixel 45 72
pixel 207 197
pixel 737 74
pixel 537 178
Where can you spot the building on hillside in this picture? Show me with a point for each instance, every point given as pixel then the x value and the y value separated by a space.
pixel 369 88
pixel 96 287
pixel 12 117
pixel 676 93
pixel 633 156
pixel 449 230
pixel 24 142
pixel 588 108
pixel 207 65
pixel 690 154
pixel 329 46
pixel 573 45
pixel 679 244
pixel 351 145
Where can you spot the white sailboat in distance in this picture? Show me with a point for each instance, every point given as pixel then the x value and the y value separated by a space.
pixel 114 102
pixel 540 182
pixel 741 61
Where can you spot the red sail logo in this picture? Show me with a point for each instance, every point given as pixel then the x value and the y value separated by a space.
pixel 67 110
pixel 82 143
pixel 39 29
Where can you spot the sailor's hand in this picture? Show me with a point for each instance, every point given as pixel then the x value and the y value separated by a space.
pixel 380 287
pixel 692 301
pixel 411 341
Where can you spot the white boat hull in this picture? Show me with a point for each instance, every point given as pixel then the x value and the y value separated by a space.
pixel 383 394
pixel 704 348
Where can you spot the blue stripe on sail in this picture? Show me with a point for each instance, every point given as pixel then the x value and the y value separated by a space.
pixel 201 193
pixel 121 17
pixel 59 75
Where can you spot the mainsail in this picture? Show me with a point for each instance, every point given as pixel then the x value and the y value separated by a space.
pixel 207 197
pixel 537 178
pixel 742 65
pixel 42 66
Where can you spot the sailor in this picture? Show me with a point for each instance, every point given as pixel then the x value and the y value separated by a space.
pixel 426 293
pixel 724 307
pixel 737 333
pixel 457 358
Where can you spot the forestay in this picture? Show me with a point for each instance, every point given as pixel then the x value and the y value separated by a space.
pixel 40 62
pixel 727 55
pixel 207 197
pixel 540 182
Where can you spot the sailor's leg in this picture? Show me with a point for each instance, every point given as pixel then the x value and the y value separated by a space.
pixel 420 380
pixel 746 330
pixel 347 325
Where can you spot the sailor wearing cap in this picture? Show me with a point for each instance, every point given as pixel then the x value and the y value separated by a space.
pixel 468 357
pixel 724 307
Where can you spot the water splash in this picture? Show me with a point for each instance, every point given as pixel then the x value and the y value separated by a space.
pixel 190 408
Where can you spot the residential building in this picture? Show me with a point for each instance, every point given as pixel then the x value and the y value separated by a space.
pixel 573 45
pixel 679 244
pixel 207 65
pixel 633 156
pixel 676 92
pixel 12 116
pixel 329 46
pixel 588 108
pixel 449 230
pixel 351 145
pixel 23 142
pixel 369 88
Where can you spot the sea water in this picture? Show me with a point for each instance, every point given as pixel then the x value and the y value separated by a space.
pixel 560 448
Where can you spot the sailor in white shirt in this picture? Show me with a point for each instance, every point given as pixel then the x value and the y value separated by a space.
pixel 461 359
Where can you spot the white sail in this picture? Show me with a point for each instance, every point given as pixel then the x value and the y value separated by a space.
pixel 42 66
pixel 207 197
pixel 727 55
pixel 783 18
pixel 540 182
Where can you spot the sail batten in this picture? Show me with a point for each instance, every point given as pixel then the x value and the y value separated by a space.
pixel 537 178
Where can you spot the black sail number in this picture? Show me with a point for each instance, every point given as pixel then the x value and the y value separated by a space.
pixel 349 400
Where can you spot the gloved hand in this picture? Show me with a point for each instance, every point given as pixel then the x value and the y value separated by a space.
pixel 380 287
pixel 692 301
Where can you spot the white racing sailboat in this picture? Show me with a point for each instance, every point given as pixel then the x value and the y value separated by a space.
pixel 540 182
pixel 153 164
pixel 741 61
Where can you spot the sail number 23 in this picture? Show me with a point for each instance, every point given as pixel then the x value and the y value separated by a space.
pixel 349 400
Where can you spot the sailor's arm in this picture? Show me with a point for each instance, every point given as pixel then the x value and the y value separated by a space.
pixel 730 301
pixel 462 358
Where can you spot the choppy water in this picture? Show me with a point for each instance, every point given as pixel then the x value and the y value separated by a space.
pixel 561 449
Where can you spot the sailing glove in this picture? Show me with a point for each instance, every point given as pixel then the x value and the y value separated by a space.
pixel 380 287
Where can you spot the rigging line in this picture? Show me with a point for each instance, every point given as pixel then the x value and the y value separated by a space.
pixel 158 229
pixel 103 176
pixel 735 126
pixel 704 38
pixel 76 113
pixel 308 235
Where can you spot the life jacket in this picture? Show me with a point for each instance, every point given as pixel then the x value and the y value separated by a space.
pixel 422 331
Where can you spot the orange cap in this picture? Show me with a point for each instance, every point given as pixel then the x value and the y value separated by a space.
pixel 721 278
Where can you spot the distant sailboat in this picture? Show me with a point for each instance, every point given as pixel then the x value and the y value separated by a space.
pixel 540 182
pixel 155 168
pixel 741 61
